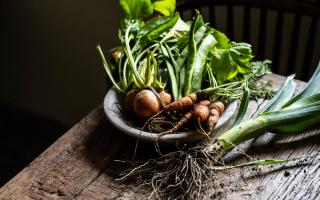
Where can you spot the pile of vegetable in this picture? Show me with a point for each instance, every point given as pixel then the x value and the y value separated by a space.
pixel 189 70
pixel 182 68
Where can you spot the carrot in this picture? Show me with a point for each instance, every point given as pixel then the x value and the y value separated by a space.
pixel 183 103
pixel 184 120
pixel 166 97
pixel 218 105
pixel 216 108
pixel 201 112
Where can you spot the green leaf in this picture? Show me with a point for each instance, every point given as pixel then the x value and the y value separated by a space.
pixel 153 30
pixel 296 127
pixel 311 88
pixel 243 106
pixel 222 39
pixel 136 9
pixel 281 97
pixel 292 115
pixel 232 59
pixel 223 66
pixel 305 101
pixel 165 7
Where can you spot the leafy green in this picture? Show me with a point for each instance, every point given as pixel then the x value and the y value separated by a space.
pixel 222 39
pixel 136 9
pixel 243 106
pixel 165 7
pixel 311 88
pixel 227 63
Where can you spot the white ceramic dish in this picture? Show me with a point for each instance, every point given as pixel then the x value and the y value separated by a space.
pixel 113 100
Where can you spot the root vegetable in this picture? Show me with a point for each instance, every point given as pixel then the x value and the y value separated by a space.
pixel 146 104
pixel 184 120
pixel 216 108
pixel 166 97
pixel 129 99
pixel 201 112
pixel 183 103
pixel 218 105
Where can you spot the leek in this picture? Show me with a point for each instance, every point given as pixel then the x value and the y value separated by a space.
pixel 283 114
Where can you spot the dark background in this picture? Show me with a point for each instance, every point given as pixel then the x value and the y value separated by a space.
pixel 51 75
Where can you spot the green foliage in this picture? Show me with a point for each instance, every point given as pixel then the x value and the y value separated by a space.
pixel 165 7
pixel 136 9
pixel 228 62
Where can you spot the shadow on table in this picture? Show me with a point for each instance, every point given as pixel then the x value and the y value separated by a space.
pixel 24 135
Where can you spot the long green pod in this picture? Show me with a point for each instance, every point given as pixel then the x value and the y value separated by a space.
pixel 181 70
pixel 173 80
pixel 128 52
pixel 184 53
pixel 182 75
pixel 205 47
pixel 106 67
pixel 192 52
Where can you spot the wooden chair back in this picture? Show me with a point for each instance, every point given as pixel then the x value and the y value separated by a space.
pixel 286 31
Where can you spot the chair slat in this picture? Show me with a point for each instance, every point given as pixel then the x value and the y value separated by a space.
pixel 292 56
pixel 246 24
pixel 230 21
pixel 309 49
pixel 262 34
pixel 277 43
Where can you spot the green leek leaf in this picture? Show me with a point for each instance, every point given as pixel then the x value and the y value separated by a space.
pixel 243 106
pixel 311 88
pixel 281 97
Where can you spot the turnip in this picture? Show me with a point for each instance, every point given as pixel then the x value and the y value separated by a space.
pixel 146 104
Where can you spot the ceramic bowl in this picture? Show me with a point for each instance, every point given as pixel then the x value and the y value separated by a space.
pixel 112 106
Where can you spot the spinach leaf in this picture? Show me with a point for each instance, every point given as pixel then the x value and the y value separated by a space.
pixel 154 29
pixel 165 7
pixel 227 63
pixel 136 9
pixel 223 66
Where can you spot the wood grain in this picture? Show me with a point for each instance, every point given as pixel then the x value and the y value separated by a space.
pixel 80 165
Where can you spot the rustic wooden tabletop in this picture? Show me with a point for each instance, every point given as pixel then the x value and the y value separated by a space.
pixel 80 165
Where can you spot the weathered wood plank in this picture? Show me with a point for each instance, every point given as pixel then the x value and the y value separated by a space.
pixel 71 164
pixel 78 166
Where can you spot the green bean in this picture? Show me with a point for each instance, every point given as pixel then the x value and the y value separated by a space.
pixel 192 51
pixel 107 68
pixel 199 65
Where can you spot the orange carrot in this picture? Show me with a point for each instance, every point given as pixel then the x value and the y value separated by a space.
pixel 185 119
pixel 201 112
pixel 216 108
pixel 183 103
pixel 166 97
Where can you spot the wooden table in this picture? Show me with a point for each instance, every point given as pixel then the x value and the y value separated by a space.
pixel 80 165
